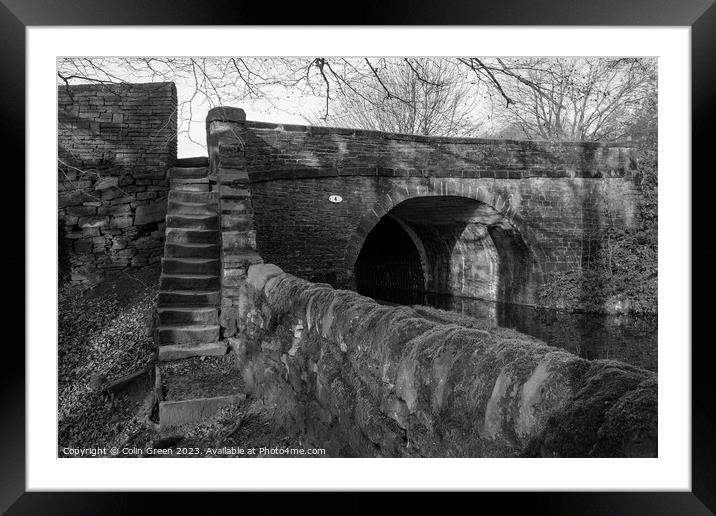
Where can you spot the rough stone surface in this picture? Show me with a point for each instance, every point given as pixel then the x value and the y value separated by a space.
pixel 116 143
pixel 149 213
pixel 260 274
pixel 362 379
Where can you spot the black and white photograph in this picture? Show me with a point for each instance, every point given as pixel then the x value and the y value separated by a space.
pixel 357 257
pixel 444 248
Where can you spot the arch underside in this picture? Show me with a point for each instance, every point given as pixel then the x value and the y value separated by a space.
pixel 461 246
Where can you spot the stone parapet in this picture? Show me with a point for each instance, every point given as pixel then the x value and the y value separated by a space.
pixel 362 379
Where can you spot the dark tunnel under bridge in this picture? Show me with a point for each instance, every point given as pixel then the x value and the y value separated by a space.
pixel 445 245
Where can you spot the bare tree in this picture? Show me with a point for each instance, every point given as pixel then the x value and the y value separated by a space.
pixel 411 96
pixel 537 98
pixel 573 99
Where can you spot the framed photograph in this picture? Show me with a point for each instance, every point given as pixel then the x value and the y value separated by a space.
pixel 424 249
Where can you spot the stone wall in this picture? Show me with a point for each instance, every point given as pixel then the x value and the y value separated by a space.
pixel 554 194
pixel 286 151
pixel 300 230
pixel 115 144
pixel 361 379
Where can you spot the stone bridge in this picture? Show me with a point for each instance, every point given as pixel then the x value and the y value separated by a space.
pixel 379 213
pixel 382 213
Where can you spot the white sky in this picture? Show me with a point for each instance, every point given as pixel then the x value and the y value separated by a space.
pixel 287 108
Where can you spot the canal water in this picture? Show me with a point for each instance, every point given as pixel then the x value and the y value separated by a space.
pixel 629 339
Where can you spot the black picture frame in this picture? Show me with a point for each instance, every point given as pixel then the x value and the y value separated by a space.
pixel 700 15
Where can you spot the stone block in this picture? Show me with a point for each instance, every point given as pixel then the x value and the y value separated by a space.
pixel 81 211
pixel 229 191
pixel 149 213
pixel 121 222
pixel 93 222
pixel 225 114
pixel 233 277
pixel 83 246
pixel 235 205
pixel 238 240
pixel 233 177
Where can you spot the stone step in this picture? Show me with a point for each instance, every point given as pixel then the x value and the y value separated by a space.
pixel 195 387
pixel 169 282
pixel 194 161
pixel 203 180
pixel 187 173
pixel 190 266
pixel 191 208
pixel 190 187
pixel 194 197
pixel 187 315
pixel 170 352
pixel 177 413
pixel 189 298
pixel 192 221
pixel 191 236
pixel 183 250
pixel 188 334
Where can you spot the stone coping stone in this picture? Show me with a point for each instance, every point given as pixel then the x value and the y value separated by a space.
pixel 226 114
pixel 259 274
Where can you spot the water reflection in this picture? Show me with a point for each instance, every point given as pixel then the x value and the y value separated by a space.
pixel 627 338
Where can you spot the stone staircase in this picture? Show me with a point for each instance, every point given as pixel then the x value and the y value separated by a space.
pixel 189 285
pixel 194 375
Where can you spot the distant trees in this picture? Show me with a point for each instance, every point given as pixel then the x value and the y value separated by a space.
pixel 575 99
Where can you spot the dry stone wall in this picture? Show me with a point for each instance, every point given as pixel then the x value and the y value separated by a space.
pixel 361 379
pixel 115 144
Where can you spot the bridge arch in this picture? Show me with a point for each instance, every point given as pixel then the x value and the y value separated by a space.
pixel 470 240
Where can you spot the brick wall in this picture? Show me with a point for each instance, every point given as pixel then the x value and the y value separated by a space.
pixel 115 143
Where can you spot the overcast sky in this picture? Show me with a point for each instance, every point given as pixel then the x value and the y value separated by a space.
pixel 288 108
